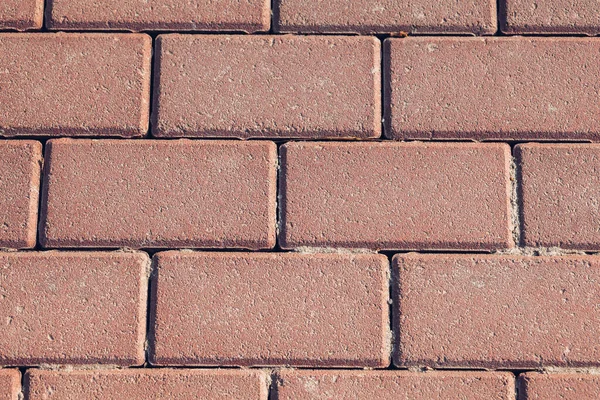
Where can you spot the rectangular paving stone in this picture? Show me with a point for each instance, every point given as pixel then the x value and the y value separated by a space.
pixel 393 385
pixel 21 14
pixel 74 84
pixel 386 16
pixel 550 16
pixel 516 88
pixel 559 386
pixel 136 15
pixel 259 309
pixel 20 165
pixel 147 384
pixel 395 196
pixel 159 194
pixel 267 86
pixel 559 189
pixel 73 308
pixel 493 311
pixel 10 384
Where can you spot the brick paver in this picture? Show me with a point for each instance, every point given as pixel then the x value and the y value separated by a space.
pixel 478 311
pixel 267 86
pixel 253 309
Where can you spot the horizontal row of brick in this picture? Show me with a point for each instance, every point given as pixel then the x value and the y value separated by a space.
pixel 155 194
pixel 362 16
pixel 296 385
pixel 299 309
pixel 241 86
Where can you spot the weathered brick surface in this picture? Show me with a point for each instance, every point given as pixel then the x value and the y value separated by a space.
pixel 270 309
pixel 21 14
pixel 559 386
pixel 74 84
pixel 495 88
pixel 156 194
pixel 145 384
pixel 274 86
pixel 550 16
pixel 560 195
pixel 20 163
pixel 393 385
pixel 10 384
pixel 230 15
pixel 384 16
pixel 73 308
pixel 496 311
pixel 395 195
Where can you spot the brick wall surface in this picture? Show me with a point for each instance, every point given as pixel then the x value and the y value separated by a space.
pixel 299 199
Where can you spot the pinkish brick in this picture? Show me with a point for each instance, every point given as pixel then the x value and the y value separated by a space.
pixel 147 384
pixel 393 385
pixel 73 308
pixel 550 16
pixel 256 309
pixel 559 386
pixel 494 88
pixel 267 86
pixel 387 16
pixel 10 384
pixel 560 195
pixel 492 311
pixel 159 194
pixel 57 84
pixel 395 196
pixel 20 163
pixel 21 14
pixel 189 15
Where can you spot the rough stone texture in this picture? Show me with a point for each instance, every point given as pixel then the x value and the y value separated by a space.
pixel 550 16
pixel 394 385
pixel 144 384
pixel 560 195
pixel 495 88
pixel 73 308
pixel 267 86
pixel 559 386
pixel 10 384
pixel 395 195
pixel 189 15
pixel 256 309
pixel 57 84
pixel 20 163
pixel 491 311
pixel 385 16
pixel 21 14
pixel 159 194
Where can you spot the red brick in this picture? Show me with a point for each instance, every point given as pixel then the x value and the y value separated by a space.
pixel 192 15
pixel 10 384
pixel 256 309
pixel 559 386
pixel 495 88
pixel 394 385
pixel 491 311
pixel 57 84
pixel 159 194
pixel 146 384
pixel 20 163
pixel 560 195
pixel 267 86
pixel 395 195
pixel 73 308
pixel 21 14
pixel 550 16
pixel 365 16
